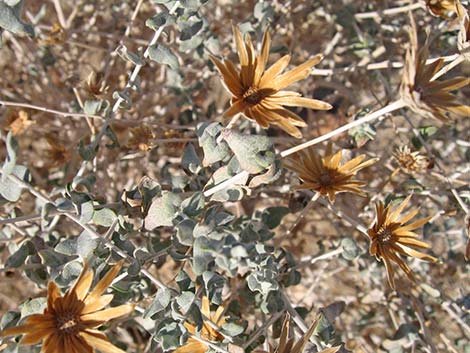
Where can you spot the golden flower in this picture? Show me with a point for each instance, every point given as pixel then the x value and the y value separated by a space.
pixel 57 153
pixel 392 235
pixel 424 95
pixel 17 122
pixel 442 8
pixel 207 332
pixel 70 322
pixel 410 162
pixel 288 345
pixel 141 138
pixel 327 175
pixel 256 92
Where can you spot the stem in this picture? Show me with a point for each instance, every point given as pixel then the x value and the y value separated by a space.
pixel 298 319
pixel 387 64
pixel 368 118
pixel 260 330
pixel 132 79
pixel 47 110
pixel 311 260
pixel 388 12
pixel 304 212
pixel 222 186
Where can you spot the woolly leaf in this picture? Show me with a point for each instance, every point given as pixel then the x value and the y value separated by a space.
pixel 160 303
pixel 272 216
pixel 254 153
pixel 163 55
pixel 9 189
pixel 162 211
pixel 190 161
pixel 10 12
pixel 213 150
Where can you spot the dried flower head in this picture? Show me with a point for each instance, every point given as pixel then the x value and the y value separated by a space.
pixel 327 175
pixel 16 121
pixel 70 322
pixel 256 92
pixel 443 8
pixel 141 138
pixel 57 153
pixel 463 40
pixel 288 345
pixel 208 333
pixel 56 36
pixel 392 235
pixel 422 94
pixel 410 162
pixel 96 85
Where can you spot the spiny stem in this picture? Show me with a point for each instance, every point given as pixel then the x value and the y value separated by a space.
pixel 388 12
pixel 298 319
pixel 311 260
pixel 261 329
pixel 47 110
pixel 304 212
pixel 387 64
pixel 366 119
pixel 132 79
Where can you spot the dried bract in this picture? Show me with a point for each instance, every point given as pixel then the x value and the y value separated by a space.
pixel 141 138
pixel 95 85
pixel 287 343
pixel 17 122
pixel 463 40
pixel 56 36
pixel 392 235
pixel 256 92
pixel 410 162
pixel 425 96
pixel 207 332
pixel 443 8
pixel 70 322
pixel 328 175
pixel 57 153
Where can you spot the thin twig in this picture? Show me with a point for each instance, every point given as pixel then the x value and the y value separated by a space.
pixel 304 212
pixel 261 329
pixel 387 64
pixel 132 79
pixel 298 319
pixel 366 119
pixel 389 12
pixel 47 110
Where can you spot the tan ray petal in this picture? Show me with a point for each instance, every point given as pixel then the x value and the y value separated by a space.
pixel 274 70
pixel 236 107
pixel 296 74
pixel 305 102
pixel 108 314
pixel 98 304
pixel 192 346
pixel 99 341
pixel 104 283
